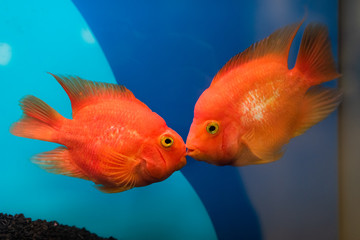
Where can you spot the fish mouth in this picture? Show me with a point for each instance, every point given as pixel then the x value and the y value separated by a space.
pixel 196 154
pixel 192 152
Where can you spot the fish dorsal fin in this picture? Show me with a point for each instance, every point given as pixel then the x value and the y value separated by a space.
pixel 318 103
pixel 120 170
pixel 277 46
pixel 84 92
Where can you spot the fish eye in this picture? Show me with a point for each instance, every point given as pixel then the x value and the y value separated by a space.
pixel 166 141
pixel 212 128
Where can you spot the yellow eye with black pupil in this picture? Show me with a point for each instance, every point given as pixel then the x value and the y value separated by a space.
pixel 166 141
pixel 212 128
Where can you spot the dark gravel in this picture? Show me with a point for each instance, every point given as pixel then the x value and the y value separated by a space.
pixel 18 227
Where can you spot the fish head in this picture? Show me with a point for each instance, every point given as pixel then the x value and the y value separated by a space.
pixel 164 155
pixel 213 136
pixel 213 141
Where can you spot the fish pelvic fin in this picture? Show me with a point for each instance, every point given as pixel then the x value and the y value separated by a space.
pixel 39 121
pixel 111 189
pixel 84 92
pixel 59 161
pixel 318 103
pixel 315 60
pixel 276 46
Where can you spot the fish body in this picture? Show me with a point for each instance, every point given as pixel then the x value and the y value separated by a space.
pixel 114 139
pixel 256 104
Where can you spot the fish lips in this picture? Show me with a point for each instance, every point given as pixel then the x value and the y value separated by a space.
pixel 199 155
pixel 195 153
pixel 192 152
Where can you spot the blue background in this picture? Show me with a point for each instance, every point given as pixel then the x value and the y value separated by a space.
pixel 167 52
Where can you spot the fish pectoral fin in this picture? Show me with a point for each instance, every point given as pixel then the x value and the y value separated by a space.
pixel 245 157
pixel 121 170
pixel 259 152
pixel 318 103
pixel 111 189
pixel 266 154
pixel 59 161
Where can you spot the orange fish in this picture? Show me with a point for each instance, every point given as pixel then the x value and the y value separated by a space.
pixel 256 104
pixel 114 139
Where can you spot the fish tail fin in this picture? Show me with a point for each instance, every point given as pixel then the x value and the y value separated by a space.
pixel 315 59
pixel 40 121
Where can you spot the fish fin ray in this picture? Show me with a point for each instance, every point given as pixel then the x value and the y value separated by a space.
pixel 58 161
pixel 315 59
pixel 112 189
pixel 318 103
pixel 84 92
pixel 276 45
pixel 122 170
pixel 39 120
pixel 266 155
pixel 245 157
pixel 263 152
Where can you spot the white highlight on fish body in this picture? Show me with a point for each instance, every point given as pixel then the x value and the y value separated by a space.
pixel 114 133
pixel 133 133
pixel 255 104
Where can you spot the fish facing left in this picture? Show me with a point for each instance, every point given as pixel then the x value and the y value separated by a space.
pixel 114 139
pixel 255 104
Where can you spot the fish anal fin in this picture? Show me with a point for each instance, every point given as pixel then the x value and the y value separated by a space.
pixel 318 103
pixel 277 45
pixel 59 161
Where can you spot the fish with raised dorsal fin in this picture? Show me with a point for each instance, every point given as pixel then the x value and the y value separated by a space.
pixel 256 104
pixel 114 139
